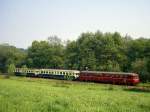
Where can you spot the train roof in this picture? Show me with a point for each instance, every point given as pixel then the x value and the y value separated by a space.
pixel 103 72
pixel 60 70
pixel 63 70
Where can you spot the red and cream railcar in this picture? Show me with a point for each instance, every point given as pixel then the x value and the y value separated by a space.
pixel 109 77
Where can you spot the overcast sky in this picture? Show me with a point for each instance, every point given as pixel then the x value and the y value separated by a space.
pixel 22 21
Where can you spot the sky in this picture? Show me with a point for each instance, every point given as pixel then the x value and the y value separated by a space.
pixel 22 21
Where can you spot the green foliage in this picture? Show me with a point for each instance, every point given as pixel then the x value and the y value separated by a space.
pixel 10 54
pixel 45 54
pixel 40 95
pixel 140 66
pixel 72 56
pixel 24 68
pixel 97 51
pixel 11 68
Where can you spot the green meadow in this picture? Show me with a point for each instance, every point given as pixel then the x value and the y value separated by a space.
pixel 20 94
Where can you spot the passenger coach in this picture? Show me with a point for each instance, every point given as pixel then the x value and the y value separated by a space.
pixel 49 73
pixel 109 77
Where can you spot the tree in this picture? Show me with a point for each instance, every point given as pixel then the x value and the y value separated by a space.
pixel 54 40
pixel 45 54
pixel 10 54
pixel 71 56
pixel 140 66
pixel 11 69
pixel 24 68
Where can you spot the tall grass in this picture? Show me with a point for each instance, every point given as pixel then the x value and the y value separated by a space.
pixel 41 95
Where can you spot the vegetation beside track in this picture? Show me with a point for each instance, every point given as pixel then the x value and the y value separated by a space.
pixel 19 94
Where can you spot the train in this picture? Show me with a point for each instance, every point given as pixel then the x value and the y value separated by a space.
pixel 76 75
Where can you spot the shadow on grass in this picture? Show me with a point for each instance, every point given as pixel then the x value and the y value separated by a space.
pixel 137 89
pixel 62 84
pixel 145 107
pixel 109 87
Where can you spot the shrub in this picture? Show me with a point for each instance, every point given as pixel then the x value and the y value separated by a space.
pixel 10 70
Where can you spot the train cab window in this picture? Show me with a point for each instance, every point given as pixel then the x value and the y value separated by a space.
pixel 129 76
pixel 125 76
pixel 135 77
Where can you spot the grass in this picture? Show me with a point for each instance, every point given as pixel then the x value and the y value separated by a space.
pixel 42 95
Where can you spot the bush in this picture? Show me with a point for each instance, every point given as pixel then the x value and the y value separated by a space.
pixel 24 67
pixel 140 67
pixel 11 69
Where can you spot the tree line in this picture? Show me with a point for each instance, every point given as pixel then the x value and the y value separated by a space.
pixel 91 51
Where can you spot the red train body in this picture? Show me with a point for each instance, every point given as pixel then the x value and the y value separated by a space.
pixel 109 77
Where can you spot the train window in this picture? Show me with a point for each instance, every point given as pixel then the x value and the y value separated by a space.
pixel 129 76
pixel 125 76
pixel 136 77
